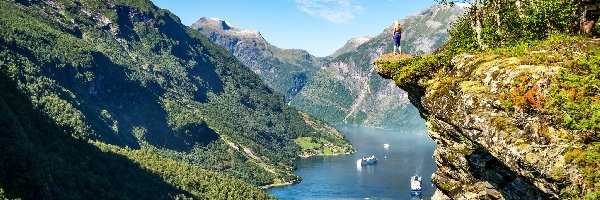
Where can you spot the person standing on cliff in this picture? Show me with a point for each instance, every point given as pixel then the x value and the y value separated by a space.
pixel 397 35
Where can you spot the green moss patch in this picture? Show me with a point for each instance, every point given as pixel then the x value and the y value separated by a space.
pixel 405 69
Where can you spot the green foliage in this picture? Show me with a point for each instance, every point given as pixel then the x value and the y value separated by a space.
pixel 506 23
pixel 408 70
pixel 318 146
pixel 128 74
pixel 462 37
pixel 576 96
pixel 199 182
pixel 39 159
pixel 218 156
pixel 2 195
pixel 588 160
pixel 403 117
pixel 326 97
pixel 358 118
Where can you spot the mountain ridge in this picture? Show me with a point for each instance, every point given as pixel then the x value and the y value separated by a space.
pixel 351 76
pixel 318 90
pixel 350 45
pixel 286 70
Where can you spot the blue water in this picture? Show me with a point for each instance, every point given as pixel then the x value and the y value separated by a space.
pixel 339 177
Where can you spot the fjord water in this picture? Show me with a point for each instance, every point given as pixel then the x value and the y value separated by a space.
pixel 339 177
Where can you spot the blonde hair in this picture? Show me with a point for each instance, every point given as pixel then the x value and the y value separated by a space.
pixel 397 24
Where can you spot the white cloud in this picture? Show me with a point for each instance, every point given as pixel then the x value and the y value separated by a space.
pixel 336 11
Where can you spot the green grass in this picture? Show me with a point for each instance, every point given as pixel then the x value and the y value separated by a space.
pixel 307 143
pixel 588 160
pixel 408 69
pixel 320 146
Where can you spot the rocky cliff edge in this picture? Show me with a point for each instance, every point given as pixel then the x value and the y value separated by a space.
pixel 511 123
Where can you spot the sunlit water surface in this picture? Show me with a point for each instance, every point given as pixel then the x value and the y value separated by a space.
pixel 339 177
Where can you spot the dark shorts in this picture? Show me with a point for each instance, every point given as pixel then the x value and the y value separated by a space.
pixel 397 37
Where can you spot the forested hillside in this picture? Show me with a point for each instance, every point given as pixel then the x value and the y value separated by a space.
pixel 41 160
pixel 130 79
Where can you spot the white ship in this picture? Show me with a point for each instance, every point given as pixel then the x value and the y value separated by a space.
pixel 367 160
pixel 415 186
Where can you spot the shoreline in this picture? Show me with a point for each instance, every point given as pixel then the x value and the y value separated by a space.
pixel 274 185
pixel 323 155
pixel 366 126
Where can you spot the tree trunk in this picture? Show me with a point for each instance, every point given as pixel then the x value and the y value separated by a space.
pixel 589 17
pixel 519 5
pixel 476 23
pixel 498 10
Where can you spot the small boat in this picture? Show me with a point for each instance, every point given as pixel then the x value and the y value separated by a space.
pixel 415 186
pixel 367 160
pixel 386 145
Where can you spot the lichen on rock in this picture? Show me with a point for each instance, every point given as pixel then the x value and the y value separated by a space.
pixel 496 118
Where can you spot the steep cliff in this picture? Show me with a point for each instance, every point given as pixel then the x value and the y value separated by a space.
pixel 510 123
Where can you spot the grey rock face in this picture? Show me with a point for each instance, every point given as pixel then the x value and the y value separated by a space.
pixel 483 150
pixel 285 70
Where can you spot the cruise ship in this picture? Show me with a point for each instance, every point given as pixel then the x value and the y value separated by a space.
pixel 367 160
pixel 415 186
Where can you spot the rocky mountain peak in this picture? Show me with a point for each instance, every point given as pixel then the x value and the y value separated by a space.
pixel 351 44
pixel 219 25
pixel 214 23
pixel 359 40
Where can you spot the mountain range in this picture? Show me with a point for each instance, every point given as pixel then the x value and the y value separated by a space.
pixel 285 70
pixel 342 87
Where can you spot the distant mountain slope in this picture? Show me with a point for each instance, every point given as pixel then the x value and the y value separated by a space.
pixel 339 88
pixel 286 70
pixel 351 45
pixel 131 79
pixel 347 90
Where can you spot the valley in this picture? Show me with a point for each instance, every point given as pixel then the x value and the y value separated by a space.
pixel 340 88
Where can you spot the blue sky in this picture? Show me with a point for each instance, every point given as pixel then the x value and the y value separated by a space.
pixel 318 26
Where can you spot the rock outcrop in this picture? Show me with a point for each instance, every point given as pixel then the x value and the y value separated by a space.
pixel 491 117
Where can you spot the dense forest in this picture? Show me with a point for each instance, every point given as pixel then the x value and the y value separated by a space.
pixel 40 160
pixel 125 81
